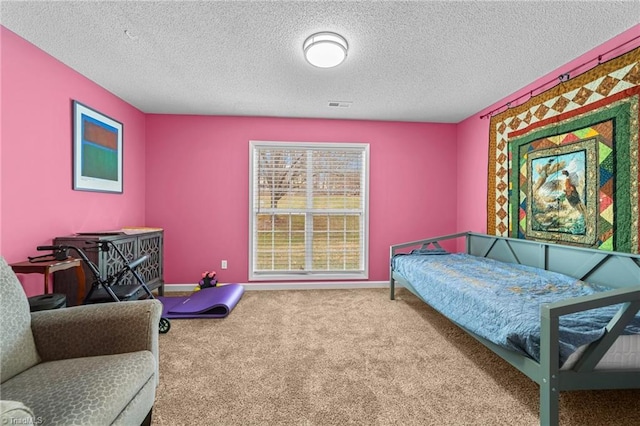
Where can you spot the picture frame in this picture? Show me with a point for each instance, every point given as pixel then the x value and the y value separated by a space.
pixel 97 151
pixel 562 186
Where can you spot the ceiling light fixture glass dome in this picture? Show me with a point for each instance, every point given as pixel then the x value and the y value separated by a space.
pixel 325 49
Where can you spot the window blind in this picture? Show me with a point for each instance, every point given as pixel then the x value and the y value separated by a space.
pixel 308 209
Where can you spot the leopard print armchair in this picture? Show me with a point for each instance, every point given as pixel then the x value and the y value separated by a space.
pixel 94 364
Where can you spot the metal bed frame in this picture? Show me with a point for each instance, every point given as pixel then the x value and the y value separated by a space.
pixel 619 271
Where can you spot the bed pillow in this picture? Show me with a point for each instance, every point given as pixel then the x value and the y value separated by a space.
pixel 429 251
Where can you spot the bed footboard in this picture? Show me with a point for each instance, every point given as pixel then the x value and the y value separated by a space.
pixel 582 376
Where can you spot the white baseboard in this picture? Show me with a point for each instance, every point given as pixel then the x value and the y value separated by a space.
pixel 172 288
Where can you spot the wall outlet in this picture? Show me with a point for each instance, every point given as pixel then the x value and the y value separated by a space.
pixel 223 264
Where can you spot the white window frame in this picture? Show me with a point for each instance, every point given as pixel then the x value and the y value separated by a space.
pixel 253 211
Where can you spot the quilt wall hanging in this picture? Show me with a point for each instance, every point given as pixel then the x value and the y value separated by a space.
pixel 563 166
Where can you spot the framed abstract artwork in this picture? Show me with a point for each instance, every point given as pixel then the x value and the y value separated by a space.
pixel 97 151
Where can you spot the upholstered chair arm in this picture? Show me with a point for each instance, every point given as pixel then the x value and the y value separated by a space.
pixel 16 413
pixel 100 329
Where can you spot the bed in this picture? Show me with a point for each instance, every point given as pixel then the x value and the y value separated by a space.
pixel 566 317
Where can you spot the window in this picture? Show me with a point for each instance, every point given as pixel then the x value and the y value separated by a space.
pixel 308 210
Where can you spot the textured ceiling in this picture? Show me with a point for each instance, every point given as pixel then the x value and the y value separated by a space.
pixel 434 61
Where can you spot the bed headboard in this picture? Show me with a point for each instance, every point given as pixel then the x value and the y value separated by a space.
pixel 609 268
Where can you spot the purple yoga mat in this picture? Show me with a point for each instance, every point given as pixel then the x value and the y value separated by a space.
pixel 212 302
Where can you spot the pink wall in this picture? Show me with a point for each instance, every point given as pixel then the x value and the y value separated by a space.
pixel 37 200
pixel 198 182
pixel 195 180
pixel 1 134
pixel 473 134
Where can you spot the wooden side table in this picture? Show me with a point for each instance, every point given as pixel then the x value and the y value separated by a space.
pixel 49 267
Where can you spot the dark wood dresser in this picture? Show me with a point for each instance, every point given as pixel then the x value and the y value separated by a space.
pixel 134 243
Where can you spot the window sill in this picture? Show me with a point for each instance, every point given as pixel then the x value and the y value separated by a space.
pixel 308 277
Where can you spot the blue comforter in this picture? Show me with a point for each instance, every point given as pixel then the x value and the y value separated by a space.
pixel 501 301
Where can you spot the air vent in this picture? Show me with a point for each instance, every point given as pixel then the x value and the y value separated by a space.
pixel 340 104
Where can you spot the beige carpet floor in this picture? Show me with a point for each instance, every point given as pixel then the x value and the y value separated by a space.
pixel 351 357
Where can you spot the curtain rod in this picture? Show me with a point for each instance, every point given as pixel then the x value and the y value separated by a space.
pixel 561 78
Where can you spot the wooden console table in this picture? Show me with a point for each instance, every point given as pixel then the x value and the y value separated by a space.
pixel 49 267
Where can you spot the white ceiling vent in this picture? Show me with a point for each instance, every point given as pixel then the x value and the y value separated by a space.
pixel 340 104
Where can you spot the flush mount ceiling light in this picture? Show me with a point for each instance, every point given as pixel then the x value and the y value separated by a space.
pixel 325 50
